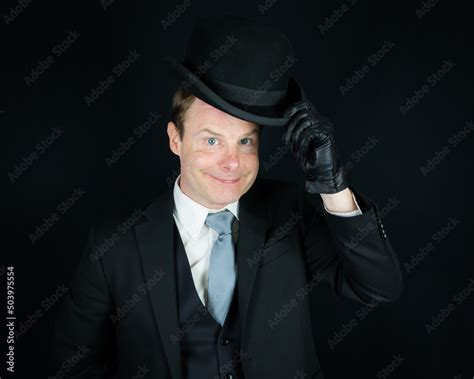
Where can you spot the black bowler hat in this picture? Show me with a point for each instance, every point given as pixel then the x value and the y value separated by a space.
pixel 241 68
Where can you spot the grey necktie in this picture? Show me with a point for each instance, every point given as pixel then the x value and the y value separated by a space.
pixel 221 277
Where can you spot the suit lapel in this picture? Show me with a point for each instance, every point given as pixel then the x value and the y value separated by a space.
pixel 155 244
pixel 252 229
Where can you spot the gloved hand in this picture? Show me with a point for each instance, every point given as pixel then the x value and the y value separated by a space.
pixel 310 136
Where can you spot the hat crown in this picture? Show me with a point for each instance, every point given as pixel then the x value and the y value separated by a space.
pixel 237 51
pixel 240 67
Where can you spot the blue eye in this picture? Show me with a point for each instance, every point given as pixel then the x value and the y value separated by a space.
pixel 243 139
pixel 210 139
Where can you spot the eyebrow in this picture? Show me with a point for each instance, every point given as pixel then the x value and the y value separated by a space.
pixel 254 131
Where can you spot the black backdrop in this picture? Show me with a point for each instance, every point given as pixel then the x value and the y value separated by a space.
pixel 404 126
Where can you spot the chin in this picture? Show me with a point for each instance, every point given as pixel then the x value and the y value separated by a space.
pixel 227 197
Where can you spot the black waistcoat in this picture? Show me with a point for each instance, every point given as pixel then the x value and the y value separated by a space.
pixel 208 350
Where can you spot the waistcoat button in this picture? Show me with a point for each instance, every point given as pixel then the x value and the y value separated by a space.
pixel 225 341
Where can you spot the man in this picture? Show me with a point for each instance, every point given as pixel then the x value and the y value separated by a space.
pixel 212 280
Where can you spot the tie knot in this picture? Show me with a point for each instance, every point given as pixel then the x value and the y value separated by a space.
pixel 221 222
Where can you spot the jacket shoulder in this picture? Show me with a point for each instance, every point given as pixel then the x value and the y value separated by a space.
pixel 119 218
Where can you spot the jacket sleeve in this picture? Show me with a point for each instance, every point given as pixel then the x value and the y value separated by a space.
pixel 83 333
pixel 353 254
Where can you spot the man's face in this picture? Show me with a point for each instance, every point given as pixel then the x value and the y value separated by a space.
pixel 218 154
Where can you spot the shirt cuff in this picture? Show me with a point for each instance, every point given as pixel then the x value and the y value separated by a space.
pixel 357 212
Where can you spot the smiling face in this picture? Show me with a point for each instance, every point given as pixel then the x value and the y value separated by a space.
pixel 218 154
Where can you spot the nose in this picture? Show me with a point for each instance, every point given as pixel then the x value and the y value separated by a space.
pixel 230 161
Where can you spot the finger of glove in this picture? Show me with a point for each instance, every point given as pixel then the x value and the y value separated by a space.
pixel 301 144
pixel 300 105
pixel 301 152
pixel 311 139
pixel 292 124
pixel 326 125
pixel 302 125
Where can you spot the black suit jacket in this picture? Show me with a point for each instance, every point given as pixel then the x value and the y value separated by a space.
pixel 120 314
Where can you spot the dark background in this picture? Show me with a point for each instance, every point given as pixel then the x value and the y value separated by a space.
pixel 370 111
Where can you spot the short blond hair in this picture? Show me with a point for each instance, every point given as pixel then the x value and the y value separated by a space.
pixel 182 101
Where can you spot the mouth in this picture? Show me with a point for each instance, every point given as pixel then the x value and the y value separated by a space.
pixel 227 181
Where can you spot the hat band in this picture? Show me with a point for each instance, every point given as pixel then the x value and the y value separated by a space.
pixel 243 95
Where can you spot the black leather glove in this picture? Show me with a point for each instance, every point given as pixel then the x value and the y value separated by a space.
pixel 310 136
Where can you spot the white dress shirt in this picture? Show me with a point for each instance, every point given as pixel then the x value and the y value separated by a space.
pixel 198 238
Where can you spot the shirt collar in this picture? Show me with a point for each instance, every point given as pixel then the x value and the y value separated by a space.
pixel 191 214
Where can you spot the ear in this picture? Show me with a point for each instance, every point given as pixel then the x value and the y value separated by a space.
pixel 174 140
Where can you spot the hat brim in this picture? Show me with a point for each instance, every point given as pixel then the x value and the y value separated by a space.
pixel 268 116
